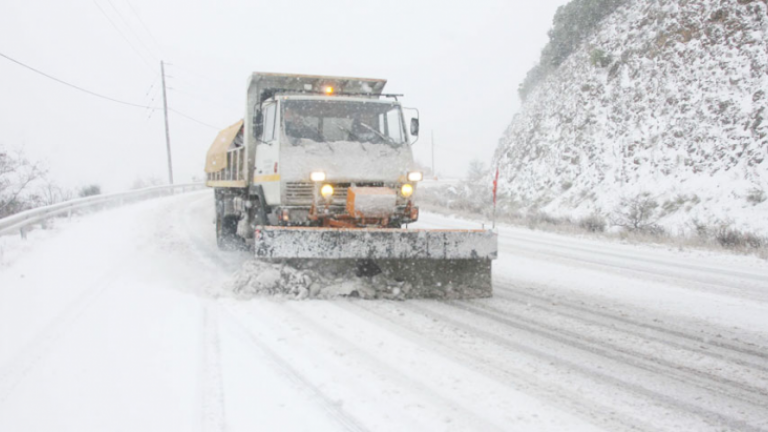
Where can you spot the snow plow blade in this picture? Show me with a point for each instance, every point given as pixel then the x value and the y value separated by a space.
pixel 430 263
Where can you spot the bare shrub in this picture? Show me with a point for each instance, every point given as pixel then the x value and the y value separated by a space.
pixel 756 196
pixel 673 205
pixel 600 58
pixel 90 190
pixel 731 238
pixel 637 213
pixel 145 182
pixel 593 223
pixel 17 177
pixel 537 218
pixel 49 192
pixel 702 230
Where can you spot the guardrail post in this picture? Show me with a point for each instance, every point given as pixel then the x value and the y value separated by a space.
pixel 23 233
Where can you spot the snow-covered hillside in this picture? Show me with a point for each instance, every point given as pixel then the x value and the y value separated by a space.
pixel 666 99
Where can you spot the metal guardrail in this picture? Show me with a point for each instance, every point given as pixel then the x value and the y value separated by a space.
pixel 40 214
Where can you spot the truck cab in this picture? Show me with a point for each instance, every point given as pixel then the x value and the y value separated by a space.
pixel 315 151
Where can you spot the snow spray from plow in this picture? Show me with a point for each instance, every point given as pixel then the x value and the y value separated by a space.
pixel 424 263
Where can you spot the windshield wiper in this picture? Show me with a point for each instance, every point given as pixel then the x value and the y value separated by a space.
pixel 381 135
pixel 349 131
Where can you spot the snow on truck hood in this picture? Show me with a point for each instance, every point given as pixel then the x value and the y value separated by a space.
pixel 345 161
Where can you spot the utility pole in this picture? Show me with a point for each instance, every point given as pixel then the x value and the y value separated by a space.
pixel 434 175
pixel 167 134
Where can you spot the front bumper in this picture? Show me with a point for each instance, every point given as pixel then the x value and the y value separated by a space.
pixel 300 215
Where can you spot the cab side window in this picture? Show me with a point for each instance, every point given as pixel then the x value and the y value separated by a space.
pixel 269 122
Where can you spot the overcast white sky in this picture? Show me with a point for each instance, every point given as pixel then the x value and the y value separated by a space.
pixel 459 62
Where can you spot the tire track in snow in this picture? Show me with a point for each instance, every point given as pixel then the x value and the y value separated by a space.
pixel 562 397
pixel 737 390
pixel 209 257
pixel 617 254
pixel 283 367
pixel 710 416
pixel 728 351
pixel 213 413
pixel 409 382
pixel 40 346
pixel 624 267
pixel 206 254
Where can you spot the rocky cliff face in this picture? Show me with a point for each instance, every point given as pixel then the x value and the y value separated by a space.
pixel 667 100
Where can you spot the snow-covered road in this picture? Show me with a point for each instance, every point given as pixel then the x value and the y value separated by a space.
pixel 108 324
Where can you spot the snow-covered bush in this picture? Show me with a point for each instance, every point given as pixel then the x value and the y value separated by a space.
pixel 637 213
pixel 731 238
pixel 18 177
pixel 593 223
pixel 90 190
pixel 145 182
pixel 756 196
pixel 600 58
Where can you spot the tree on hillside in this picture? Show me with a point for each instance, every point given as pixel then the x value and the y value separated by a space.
pixel 145 182
pixel 572 24
pixel 476 171
pixel 17 176
pixel 49 192
pixel 89 190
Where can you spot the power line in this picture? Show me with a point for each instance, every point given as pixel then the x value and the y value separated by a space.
pixel 151 36
pixel 193 119
pixel 130 29
pixel 72 85
pixel 197 96
pixel 123 36
pixel 76 87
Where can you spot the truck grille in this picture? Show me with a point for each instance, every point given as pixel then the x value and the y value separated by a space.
pixel 300 193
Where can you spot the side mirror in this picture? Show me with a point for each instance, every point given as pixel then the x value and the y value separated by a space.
pixel 415 127
pixel 257 125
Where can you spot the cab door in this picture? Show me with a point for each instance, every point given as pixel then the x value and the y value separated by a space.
pixel 266 172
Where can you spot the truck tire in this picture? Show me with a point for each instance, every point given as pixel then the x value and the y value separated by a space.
pixel 226 232
pixel 226 227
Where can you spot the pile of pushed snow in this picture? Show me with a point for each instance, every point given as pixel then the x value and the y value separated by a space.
pixel 667 99
pixel 312 280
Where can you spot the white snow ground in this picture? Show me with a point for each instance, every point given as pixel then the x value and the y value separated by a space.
pixel 109 323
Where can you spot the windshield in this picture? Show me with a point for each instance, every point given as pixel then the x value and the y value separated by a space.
pixel 332 121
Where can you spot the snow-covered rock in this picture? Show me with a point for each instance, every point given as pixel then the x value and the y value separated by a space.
pixel 677 112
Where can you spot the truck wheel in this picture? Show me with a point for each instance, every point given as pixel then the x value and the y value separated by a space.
pixel 226 232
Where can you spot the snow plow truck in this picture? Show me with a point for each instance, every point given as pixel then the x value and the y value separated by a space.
pixel 321 169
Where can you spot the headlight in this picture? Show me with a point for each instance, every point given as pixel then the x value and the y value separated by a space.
pixel 317 176
pixel 415 176
pixel 326 191
pixel 406 190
